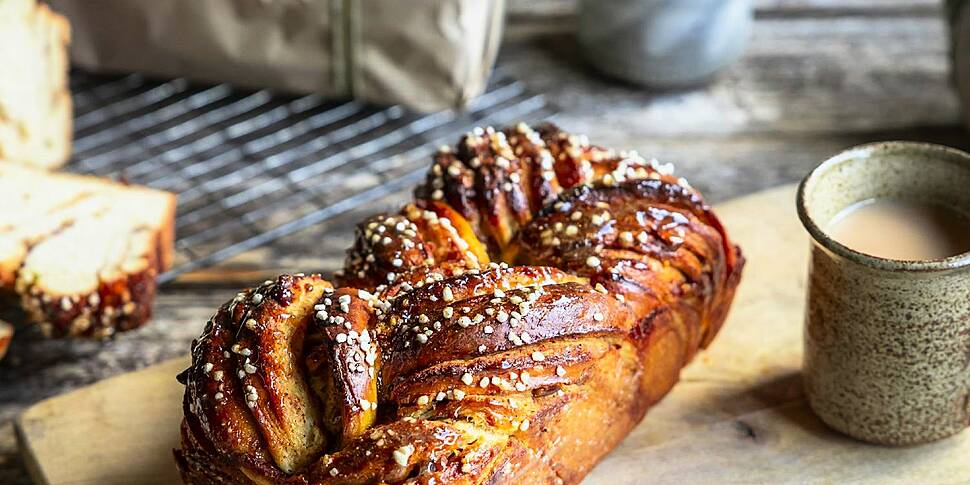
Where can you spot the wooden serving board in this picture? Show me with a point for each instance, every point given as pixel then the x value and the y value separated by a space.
pixel 737 416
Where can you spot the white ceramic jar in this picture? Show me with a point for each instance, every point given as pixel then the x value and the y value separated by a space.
pixel 664 43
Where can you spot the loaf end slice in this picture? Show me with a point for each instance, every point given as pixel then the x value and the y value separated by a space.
pixel 35 102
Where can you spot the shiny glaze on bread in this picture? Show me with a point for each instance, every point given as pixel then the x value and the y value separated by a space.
pixel 512 325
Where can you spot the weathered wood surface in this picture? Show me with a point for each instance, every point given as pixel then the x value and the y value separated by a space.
pixel 818 76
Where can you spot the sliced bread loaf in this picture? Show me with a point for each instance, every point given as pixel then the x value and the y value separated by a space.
pixel 35 103
pixel 80 252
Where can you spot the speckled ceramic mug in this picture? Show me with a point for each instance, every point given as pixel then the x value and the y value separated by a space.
pixel 887 342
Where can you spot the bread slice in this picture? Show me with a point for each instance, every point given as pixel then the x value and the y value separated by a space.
pixel 35 102
pixel 81 252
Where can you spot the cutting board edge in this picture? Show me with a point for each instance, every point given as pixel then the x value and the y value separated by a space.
pixel 25 450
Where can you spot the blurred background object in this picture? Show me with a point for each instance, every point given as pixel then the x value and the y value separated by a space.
pixel 664 43
pixel 426 55
pixel 959 12
pixel 35 105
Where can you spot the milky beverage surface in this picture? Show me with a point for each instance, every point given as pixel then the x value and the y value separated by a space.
pixel 902 229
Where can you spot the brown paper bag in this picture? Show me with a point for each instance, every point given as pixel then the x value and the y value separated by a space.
pixel 425 54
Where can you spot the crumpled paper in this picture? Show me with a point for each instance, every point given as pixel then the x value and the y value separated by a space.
pixel 424 54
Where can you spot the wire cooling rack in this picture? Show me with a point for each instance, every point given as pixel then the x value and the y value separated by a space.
pixel 250 167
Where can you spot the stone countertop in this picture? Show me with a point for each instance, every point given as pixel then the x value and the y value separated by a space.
pixel 817 77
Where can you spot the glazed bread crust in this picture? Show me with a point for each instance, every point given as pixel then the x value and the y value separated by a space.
pixel 513 324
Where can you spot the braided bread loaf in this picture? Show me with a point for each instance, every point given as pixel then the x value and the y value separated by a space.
pixel 512 324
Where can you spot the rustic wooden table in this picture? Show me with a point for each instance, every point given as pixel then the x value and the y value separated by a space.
pixel 818 76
